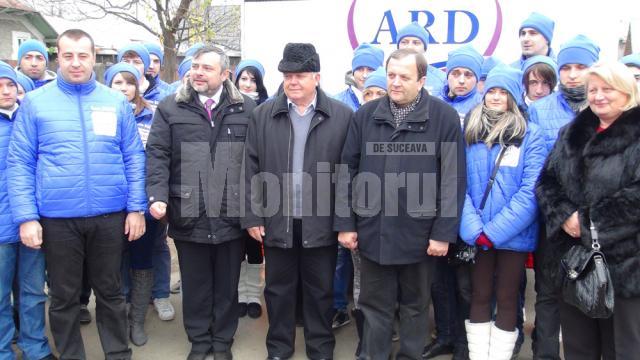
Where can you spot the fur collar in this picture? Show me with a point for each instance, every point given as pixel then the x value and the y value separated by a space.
pixel 186 94
pixel 582 137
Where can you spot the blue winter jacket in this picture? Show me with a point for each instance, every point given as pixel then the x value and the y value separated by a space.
pixel 143 122
pixel 8 229
pixel 463 104
pixel 154 94
pixel 75 152
pixel 520 62
pixel 436 80
pixel 349 98
pixel 164 87
pixel 551 113
pixel 509 217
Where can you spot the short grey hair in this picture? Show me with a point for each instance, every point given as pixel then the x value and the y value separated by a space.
pixel 224 59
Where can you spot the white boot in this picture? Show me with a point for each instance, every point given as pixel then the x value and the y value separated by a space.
pixel 254 283
pixel 478 337
pixel 502 343
pixel 242 283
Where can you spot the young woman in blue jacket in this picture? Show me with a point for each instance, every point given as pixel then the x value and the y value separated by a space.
pixel 124 77
pixel 505 227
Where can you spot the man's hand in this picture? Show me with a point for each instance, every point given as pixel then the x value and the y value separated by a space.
pixel 134 226
pixel 158 210
pixel 572 225
pixel 31 234
pixel 348 239
pixel 256 232
pixel 437 248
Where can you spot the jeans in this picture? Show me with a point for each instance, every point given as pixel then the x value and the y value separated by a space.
pixel 341 278
pixel 161 264
pixel 30 273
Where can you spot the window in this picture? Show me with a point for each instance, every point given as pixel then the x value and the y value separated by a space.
pixel 18 38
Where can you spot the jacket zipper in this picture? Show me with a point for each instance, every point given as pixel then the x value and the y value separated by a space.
pixel 86 154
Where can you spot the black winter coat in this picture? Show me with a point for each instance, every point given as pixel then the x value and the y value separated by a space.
pixel 269 156
pixel 196 168
pixel 394 224
pixel 599 176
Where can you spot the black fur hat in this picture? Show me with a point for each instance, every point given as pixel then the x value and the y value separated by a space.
pixel 299 57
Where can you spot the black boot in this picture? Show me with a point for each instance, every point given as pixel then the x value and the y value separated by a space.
pixel 141 284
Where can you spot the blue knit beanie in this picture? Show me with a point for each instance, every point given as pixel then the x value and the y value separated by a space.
pixel 367 55
pixel 6 71
pixel 377 78
pixel 155 49
pixel 32 45
pixel 184 66
pixel 466 57
pixel 413 29
pixel 192 50
pixel 118 68
pixel 631 60
pixel 505 77
pixel 246 63
pixel 488 64
pixel 140 50
pixel 579 50
pixel 25 81
pixel 541 23
pixel 539 59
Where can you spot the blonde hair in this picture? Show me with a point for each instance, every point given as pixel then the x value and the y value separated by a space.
pixel 619 77
pixel 510 126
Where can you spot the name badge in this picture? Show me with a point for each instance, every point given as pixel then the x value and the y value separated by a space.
pixel 511 157
pixel 104 122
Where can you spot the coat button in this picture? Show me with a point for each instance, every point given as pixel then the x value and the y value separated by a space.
pixel 409 126
pixel 306 242
pixel 240 108
pixel 209 236
pixel 230 110
pixel 320 118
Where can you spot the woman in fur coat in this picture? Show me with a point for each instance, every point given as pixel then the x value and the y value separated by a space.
pixel 593 173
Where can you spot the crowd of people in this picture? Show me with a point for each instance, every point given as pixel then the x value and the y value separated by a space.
pixel 418 186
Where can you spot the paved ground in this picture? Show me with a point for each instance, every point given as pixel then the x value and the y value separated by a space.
pixel 167 340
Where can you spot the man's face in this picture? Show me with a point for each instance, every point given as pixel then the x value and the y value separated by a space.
pixel 461 81
pixel 411 42
pixel 8 93
pixel 537 87
pixel 33 64
pixel 132 58
pixel 360 76
pixel 154 68
pixel 533 43
pixel 206 74
pixel 571 75
pixel 403 83
pixel 76 59
pixel 636 73
pixel 300 88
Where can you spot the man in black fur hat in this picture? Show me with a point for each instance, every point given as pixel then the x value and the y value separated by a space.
pixel 293 145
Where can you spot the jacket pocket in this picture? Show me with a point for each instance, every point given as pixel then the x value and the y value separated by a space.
pixel 182 209
pixel 422 213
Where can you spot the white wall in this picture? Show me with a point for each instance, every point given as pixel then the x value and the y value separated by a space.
pixel 268 26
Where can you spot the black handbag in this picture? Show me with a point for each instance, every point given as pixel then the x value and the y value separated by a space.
pixel 463 253
pixel 586 280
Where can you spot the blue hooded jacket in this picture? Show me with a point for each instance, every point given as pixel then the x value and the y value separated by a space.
pixel 551 113
pixel 154 94
pixel 349 98
pixel 462 104
pixel 436 80
pixel 75 152
pixel 509 217
pixel 8 229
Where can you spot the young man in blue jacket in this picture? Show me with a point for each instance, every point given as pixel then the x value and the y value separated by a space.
pixel 76 187
pixel 32 61
pixel 156 55
pixel 18 262
pixel 416 37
